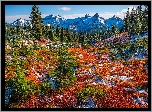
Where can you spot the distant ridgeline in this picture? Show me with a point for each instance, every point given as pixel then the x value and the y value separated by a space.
pixel 81 24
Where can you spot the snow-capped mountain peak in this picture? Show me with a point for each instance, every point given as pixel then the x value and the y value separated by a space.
pixel 114 16
pixel 84 24
pixel 96 15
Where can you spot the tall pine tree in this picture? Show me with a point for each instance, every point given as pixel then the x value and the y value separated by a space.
pixel 36 22
pixel 57 31
pixel 50 31
pixel 18 28
pixel 61 35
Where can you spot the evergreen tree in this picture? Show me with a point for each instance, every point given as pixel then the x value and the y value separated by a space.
pixel 101 35
pixel 124 28
pixel 139 19
pixel 24 30
pixel 47 28
pixel 81 39
pixel 6 27
pixel 6 30
pixel 12 31
pixel 68 34
pixel 126 22
pixel 95 34
pixel 115 30
pixel 61 35
pixel 144 26
pixel 51 33
pixel 28 30
pixel 146 13
pixel 44 30
pixel 71 36
pixel 133 22
pixel 57 31
pixel 18 28
pixel 76 37
pixel 136 22
pixel 88 37
pixel 108 33
pixel 36 22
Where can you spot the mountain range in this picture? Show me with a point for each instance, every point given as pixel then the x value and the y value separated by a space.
pixel 83 24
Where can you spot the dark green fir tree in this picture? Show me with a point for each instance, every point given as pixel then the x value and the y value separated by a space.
pixel 36 22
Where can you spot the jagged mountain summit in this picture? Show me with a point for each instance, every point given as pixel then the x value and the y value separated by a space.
pixel 22 22
pixel 83 24
pixel 114 21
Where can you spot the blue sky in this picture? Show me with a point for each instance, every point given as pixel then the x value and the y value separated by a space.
pixel 13 12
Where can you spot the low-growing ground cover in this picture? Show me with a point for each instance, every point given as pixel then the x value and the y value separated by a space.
pixel 49 74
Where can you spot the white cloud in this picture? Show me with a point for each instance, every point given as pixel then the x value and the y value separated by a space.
pixel 123 12
pixel 65 9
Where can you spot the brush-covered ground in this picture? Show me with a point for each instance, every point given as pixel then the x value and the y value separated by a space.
pixel 111 73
